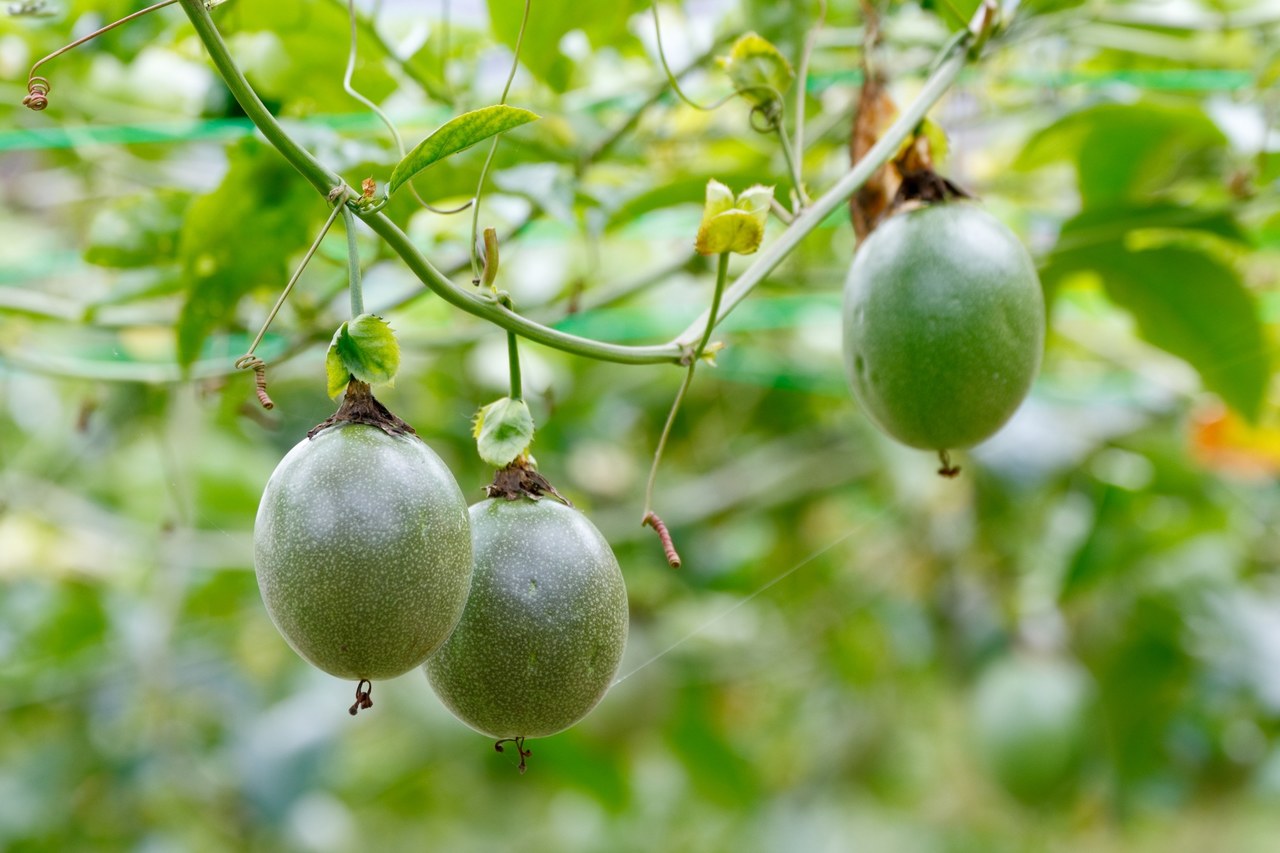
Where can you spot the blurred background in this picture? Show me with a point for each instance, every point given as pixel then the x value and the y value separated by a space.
pixel 1073 646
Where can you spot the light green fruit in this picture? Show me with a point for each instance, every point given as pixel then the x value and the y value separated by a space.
pixel 363 551
pixel 545 625
pixel 1030 722
pixel 943 325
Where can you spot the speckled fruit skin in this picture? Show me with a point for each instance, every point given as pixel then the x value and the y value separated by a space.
pixel 545 626
pixel 363 551
pixel 943 325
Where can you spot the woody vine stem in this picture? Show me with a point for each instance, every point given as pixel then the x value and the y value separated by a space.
pixel 951 60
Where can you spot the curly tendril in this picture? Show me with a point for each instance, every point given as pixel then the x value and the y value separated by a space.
pixel 651 519
pixel 37 97
pixel 259 368
pixel 37 94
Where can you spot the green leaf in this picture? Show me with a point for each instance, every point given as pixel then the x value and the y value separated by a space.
pixel 1112 224
pixel 1129 152
pixel 503 431
pixel 239 237
pixel 137 231
pixel 364 348
pixel 457 134
pixel 1190 304
pixel 758 70
pixel 953 13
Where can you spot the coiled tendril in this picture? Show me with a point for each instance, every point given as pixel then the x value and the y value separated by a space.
pixel 37 94
pixel 259 368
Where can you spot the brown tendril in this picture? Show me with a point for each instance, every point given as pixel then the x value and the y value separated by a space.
pixel 519 742
pixel 37 97
pixel 37 94
pixel 651 519
pixel 259 368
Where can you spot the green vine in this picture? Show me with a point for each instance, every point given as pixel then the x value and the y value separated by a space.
pixel 951 61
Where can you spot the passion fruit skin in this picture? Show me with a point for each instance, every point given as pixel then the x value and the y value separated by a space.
pixel 363 551
pixel 545 625
pixel 943 325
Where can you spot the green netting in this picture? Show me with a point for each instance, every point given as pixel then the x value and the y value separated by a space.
pixel 30 139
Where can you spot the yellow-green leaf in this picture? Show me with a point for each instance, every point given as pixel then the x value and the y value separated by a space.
pixel 719 199
pixel 733 225
pixel 731 231
pixel 456 135
pixel 758 70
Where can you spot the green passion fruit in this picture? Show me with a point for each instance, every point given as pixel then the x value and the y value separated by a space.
pixel 943 325
pixel 363 551
pixel 545 625
pixel 1030 719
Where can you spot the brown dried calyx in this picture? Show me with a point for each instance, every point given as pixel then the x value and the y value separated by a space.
pixel 359 406
pixel 521 480
pixel 876 111
pixel 920 183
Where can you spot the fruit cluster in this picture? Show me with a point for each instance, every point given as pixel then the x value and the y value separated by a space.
pixel 370 562
pixel 370 565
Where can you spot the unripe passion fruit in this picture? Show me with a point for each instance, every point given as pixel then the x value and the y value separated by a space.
pixel 1030 722
pixel 363 551
pixel 545 625
pixel 943 325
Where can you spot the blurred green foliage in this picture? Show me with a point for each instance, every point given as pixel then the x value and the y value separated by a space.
pixel 813 678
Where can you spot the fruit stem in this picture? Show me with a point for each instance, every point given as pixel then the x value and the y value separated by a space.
pixel 722 273
pixel 353 262
pixel 513 353
pixel 493 146
pixel 513 361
